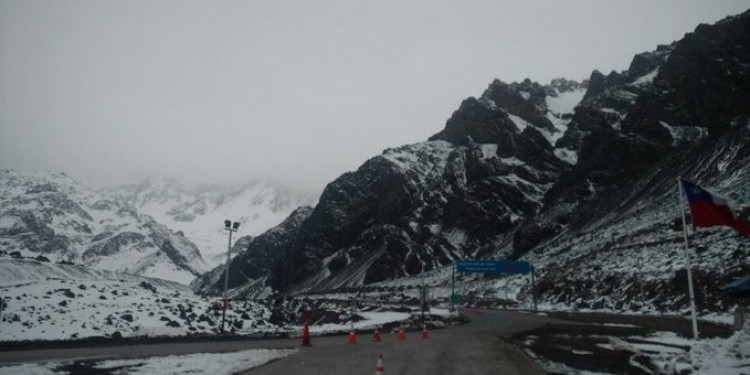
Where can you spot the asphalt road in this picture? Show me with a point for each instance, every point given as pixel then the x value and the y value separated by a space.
pixel 473 348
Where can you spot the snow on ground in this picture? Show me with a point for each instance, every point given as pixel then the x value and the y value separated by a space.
pixel 520 123
pixel 671 354
pixel 372 320
pixel 425 158
pixel 685 133
pixel 559 106
pixel 56 302
pixel 201 363
pixel 722 356
pixel 47 301
pixel 565 102
pixel 512 161
pixel 647 78
pixel 489 150
pixel 21 271
pixel 566 155
pixel 57 308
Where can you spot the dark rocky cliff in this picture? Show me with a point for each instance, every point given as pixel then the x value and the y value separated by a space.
pixel 495 181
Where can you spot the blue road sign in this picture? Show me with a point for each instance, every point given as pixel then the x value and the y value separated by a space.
pixel 493 266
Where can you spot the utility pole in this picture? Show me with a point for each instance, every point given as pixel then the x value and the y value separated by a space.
pixel 424 296
pixel 231 227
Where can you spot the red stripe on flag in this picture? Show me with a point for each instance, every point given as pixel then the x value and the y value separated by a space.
pixel 708 214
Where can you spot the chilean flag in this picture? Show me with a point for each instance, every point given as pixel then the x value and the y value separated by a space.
pixel 709 210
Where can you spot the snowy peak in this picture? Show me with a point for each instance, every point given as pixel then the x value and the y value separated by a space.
pixel 199 211
pixel 29 181
pixel 49 213
pixel 525 100
pixel 642 123
pixel 617 91
pixel 519 113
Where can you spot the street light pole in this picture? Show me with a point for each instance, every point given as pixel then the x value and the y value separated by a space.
pixel 231 227
pixel 453 287
pixel 424 296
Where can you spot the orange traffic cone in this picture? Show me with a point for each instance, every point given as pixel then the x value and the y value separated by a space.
pixel 425 334
pixel 380 370
pixel 306 334
pixel 376 335
pixel 401 333
pixel 352 336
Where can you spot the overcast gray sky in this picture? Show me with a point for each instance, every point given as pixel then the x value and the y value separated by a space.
pixel 300 91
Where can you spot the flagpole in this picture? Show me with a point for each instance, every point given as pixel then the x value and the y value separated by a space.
pixel 687 260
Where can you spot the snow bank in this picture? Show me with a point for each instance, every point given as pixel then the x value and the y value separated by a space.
pixel 201 363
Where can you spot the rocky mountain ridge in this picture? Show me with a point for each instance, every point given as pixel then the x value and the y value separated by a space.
pixel 509 177
pixel 49 214
pixel 418 204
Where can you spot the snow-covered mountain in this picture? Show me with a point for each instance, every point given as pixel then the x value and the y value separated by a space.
pixel 50 214
pixel 199 211
pixel 580 182
pixel 418 207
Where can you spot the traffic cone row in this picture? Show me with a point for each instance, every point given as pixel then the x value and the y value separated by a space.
pixel 352 338
pixel 379 368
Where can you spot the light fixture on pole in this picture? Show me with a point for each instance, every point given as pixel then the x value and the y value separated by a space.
pixel 231 227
